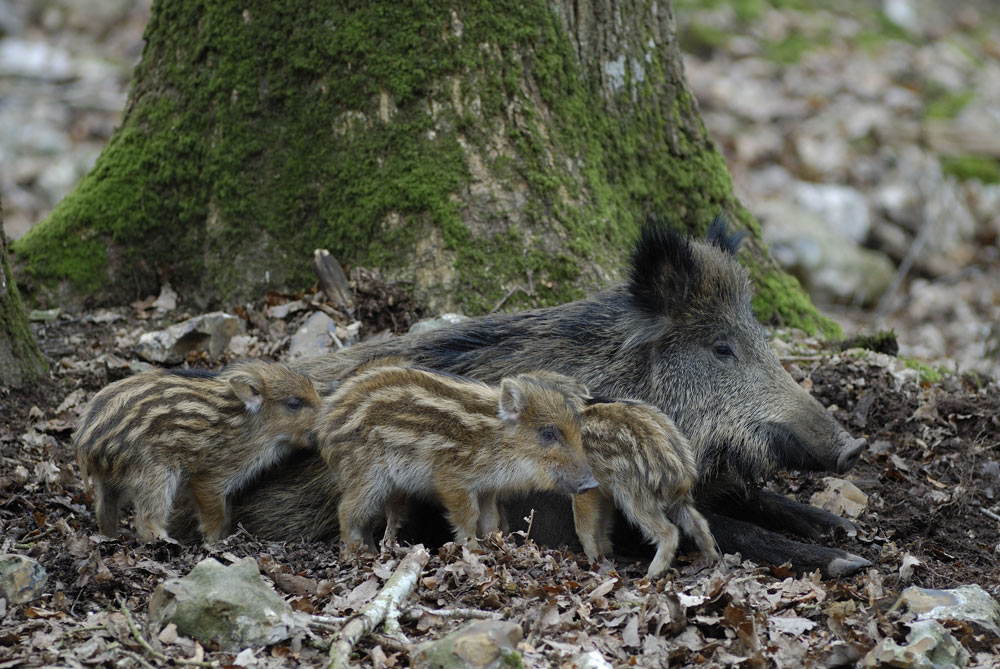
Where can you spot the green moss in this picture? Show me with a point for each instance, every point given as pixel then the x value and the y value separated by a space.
pixel 512 659
pixel 21 361
pixel 701 38
pixel 927 373
pixel 967 167
pixel 781 299
pixel 790 49
pixel 883 341
pixel 253 136
pixel 946 104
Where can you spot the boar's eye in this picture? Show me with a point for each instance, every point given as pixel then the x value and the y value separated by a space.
pixel 548 435
pixel 722 350
pixel 294 403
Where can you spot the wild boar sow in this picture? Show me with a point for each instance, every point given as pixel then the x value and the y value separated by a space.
pixel 680 334
pixel 146 438
pixel 391 433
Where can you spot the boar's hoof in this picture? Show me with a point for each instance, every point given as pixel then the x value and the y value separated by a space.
pixel 845 566
pixel 850 451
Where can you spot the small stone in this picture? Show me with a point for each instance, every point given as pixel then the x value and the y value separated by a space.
pixel 968 602
pixel 167 300
pixel 478 645
pixel 444 320
pixel 313 338
pixel 831 267
pixel 208 332
pixel 44 315
pixel 226 607
pixel 929 645
pixel 840 497
pixel 21 578
pixel 842 208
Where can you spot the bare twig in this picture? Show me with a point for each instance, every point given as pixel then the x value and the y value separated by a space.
pixel 506 297
pixel 149 649
pixel 415 612
pixel 990 514
pixel 399 586
pixel 393 643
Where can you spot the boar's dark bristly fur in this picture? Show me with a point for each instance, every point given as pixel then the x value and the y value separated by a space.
pixel 679 334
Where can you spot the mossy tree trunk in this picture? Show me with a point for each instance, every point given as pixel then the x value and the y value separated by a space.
pixel 467 147
pixel 20 360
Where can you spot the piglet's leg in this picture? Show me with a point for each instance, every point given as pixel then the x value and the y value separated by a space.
pixel 396 512
pixel 590 518
pixel 647 512
pixel 489 515
pixel 694 525
pixel 212 509
pixel 359 506
pixel 154 495
pixel 462 509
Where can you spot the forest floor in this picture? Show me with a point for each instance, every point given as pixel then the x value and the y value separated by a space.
pixel 930 471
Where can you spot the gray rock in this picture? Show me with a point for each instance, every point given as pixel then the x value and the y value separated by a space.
pixel 822 151
pixel 967 602
pixel 831 267
pixel 208 332
pixel 21 578
pixel 226 607
pixel 313 338
pixel 478 645
pixel 842 208
pixel 928 646
pixel 444 320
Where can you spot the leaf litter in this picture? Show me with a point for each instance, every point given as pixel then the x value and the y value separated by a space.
pixel 930 475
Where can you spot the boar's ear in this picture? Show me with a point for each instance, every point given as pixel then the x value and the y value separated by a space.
pixel 248 390
pixel 664 271
pixel 512 400
pixel 719 237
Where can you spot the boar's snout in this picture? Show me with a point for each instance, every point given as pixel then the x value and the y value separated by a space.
pixel 850 450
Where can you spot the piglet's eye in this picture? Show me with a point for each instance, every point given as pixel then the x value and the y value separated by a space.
pixel 548 435
pixel 294 403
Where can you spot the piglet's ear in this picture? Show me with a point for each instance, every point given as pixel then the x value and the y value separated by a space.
pixel 247 389
pixel 512 400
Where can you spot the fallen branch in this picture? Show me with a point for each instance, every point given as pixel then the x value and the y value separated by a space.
pixel 149 649
pixel 415 612
pixel 386 603
pixel 990 514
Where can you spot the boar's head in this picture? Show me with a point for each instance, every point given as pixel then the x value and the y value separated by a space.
pixel 709 364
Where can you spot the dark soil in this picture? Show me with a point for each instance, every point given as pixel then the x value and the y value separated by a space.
pixel 930 471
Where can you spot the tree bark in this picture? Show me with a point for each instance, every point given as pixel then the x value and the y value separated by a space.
pixel 20 360
pixel 468 148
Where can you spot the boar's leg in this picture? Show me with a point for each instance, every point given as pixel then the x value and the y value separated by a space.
pixel 760 545
pixel 771 510
pixel 777 512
